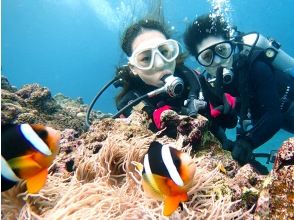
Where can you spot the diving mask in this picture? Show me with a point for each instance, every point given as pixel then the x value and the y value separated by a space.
pixel 223 49
pixel 144 58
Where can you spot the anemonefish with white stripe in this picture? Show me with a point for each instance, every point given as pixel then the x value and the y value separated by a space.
pixel 26 153
pixel 167 174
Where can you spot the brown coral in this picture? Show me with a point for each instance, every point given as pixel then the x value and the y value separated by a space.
pixel 282 185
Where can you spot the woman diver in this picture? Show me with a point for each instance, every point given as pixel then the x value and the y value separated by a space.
pixel 154 60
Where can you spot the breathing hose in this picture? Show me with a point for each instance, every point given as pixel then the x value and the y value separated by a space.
pixel 174 86
pixel 96 97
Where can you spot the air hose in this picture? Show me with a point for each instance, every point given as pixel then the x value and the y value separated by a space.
pixel 174 86
pixel 96 97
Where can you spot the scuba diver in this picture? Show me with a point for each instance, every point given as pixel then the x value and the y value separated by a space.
pixel 254 70
pixel 157 80
pixel 156 71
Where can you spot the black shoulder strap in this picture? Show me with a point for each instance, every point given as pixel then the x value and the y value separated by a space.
pixel 241 67
pixel 244 91
pixel 244 60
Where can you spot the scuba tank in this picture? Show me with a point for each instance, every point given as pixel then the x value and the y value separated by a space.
pixel 254 44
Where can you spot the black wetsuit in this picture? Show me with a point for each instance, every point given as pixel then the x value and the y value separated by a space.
pixel 269 95
pixel 139 88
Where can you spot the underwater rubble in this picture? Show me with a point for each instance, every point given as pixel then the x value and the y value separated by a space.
pixel 93 176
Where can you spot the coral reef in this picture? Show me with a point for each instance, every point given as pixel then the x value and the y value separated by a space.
pixel 281 190
pixel 93 176
pixel 35 104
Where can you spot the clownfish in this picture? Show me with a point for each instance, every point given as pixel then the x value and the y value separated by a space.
pixel 167 175
pixel 26 153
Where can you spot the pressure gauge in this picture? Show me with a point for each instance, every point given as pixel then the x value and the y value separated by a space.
pixel 270 52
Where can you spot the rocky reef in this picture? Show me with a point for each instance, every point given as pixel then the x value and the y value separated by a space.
pixel 93 176
pixel 35 104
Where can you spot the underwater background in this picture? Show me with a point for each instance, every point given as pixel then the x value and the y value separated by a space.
pixel 73 46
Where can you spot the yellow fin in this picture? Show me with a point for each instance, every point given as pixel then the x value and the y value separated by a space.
pixel 23 162
pixel 138 166
pixel 170 205
pixel 35 183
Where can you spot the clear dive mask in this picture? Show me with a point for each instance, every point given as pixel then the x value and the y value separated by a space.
pixel 207 56
pixel 144 58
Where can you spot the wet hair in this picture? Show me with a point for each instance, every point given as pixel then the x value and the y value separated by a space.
pixel 137 28
pixel 203 27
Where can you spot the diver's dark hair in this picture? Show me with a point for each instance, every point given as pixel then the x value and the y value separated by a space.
pixel 205 26
pixel 137 28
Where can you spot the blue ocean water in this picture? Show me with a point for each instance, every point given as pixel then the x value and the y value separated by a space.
pixel 72 46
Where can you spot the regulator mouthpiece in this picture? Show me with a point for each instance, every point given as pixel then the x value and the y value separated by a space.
pixel 227 76
pixel 174 86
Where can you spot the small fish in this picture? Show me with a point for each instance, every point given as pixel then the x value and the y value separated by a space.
pixel 26 153
pixel 167 174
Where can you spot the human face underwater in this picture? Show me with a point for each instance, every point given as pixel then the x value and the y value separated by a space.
pixel 153 57
pixel 215 52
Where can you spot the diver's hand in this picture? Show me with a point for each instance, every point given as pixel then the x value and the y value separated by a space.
pixel 227 107
pixel 242 151
pixel 169 122
pixel 157 116
pixel 219 101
